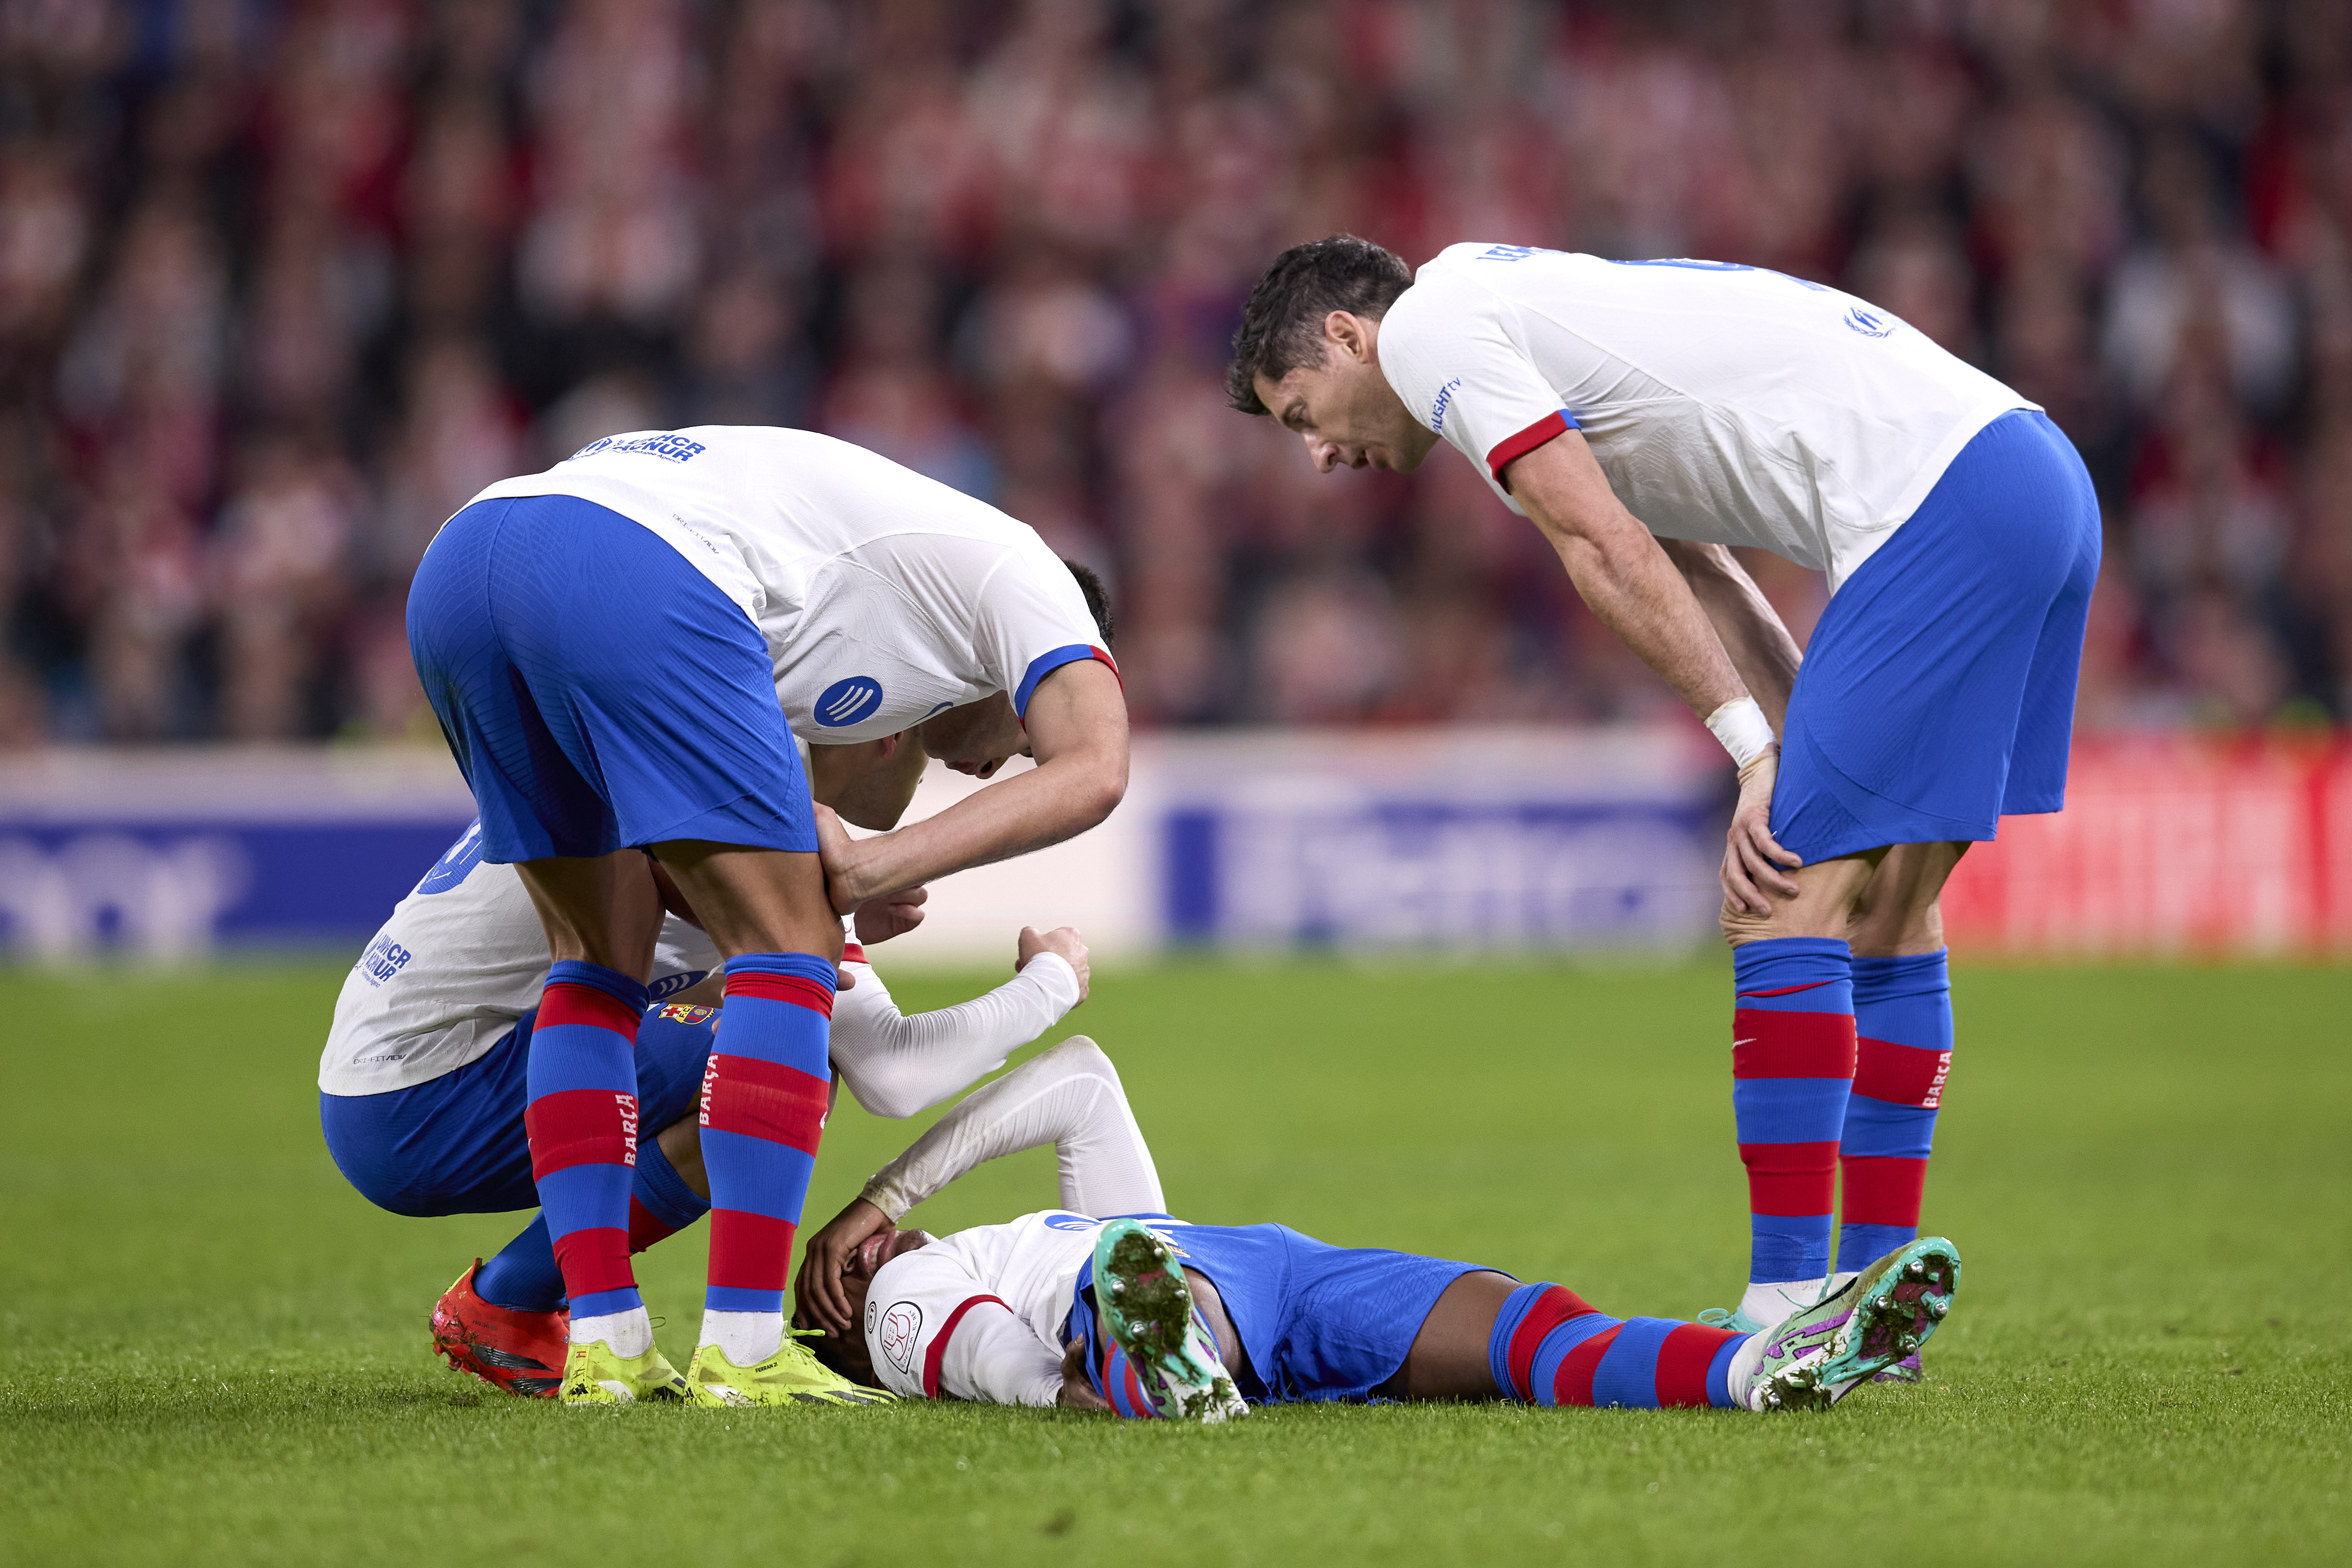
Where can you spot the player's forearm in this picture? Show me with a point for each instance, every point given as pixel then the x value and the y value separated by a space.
pixel 897 1065
pixel 1751 630
pixel 1059 799
pixel 1622 575
pixel 1637 592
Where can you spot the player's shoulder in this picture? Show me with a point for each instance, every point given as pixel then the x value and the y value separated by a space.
pixel 1473 279
pixel 1472 256
pixel 912 1301
pixel 1490 267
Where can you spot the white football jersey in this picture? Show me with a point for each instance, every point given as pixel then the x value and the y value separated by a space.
pixel 884 596
pixel 1725 403
pixel 461 959
pixel 980 1314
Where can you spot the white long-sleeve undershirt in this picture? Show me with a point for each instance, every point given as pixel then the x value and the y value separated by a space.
pixel 1069 1096
pixel 897 1063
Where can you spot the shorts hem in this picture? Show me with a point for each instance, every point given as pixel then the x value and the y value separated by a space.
pixel 1889 839
pixel 1897 821
pixel 804 840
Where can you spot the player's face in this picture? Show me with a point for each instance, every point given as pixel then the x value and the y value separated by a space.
pixel 857 1279
pixel 1344 409
pixel 977 738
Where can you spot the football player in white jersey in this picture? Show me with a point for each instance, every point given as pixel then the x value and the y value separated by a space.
pixel 1108 1303
pixel 619 651
pixel 1646 415
pixel 421 1081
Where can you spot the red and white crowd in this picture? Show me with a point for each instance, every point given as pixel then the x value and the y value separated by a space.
pixel 282 282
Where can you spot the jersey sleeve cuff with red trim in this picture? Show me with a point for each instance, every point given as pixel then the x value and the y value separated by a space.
pixel 1511 448
pixel 1046 663
pixel 939 1347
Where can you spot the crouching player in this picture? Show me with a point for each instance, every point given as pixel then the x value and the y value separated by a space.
pixel 424 1090
pixel 1151 1317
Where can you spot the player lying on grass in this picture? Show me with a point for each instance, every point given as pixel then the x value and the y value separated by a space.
pixel 423 1082
pixel 1151 1317
pixel 1645 414
pixel 620 651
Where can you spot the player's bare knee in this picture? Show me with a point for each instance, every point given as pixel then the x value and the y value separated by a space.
pixel 1900 909
pixel 1787 919
pixel 1885 933
pixel 1827 892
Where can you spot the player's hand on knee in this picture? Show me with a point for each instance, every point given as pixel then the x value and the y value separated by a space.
pixel 893 914
pixel 817 1291
pixel 1062 940
pixel 1755 867
pixel 1077 1394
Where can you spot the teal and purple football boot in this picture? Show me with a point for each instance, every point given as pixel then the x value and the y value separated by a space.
pixel 1878 1321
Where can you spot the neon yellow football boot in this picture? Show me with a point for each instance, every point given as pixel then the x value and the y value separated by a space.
pixel 595 1374
pixel 790 1377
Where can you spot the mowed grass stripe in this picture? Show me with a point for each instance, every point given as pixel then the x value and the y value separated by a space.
pixel 212 1350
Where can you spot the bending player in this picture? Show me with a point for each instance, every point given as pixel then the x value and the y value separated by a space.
pixel 1644 414
pixel 1149 1316
pixel 619 651
pixel 422 1079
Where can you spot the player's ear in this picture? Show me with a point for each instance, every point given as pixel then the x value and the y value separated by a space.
pixel 1345 331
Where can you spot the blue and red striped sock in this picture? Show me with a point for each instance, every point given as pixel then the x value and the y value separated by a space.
pixel 1903 1018
pixel 582 1119
pixel 1791 1069
pixel 764 1096
pixel 523 1275
pixel 1115 1376
pixel 1549 1347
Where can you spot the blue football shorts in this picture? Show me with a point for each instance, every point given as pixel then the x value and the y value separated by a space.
pixel 456 1144
pixel 1318 1322
pixel 1938 692
pixel 598 692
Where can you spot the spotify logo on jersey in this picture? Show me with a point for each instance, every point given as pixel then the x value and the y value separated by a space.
pixel 850 702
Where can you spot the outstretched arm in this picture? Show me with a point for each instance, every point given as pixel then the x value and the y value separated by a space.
pixel 1624 576
pixel 1069 1097
pixel 897 1063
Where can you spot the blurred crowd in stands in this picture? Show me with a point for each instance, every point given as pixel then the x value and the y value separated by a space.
pixel 282 282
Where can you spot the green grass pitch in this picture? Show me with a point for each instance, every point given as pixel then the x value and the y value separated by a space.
pixel 212 1350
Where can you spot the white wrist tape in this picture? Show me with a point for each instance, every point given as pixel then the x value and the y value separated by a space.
pixel 1744 731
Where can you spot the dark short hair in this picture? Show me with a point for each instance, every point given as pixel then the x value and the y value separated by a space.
pixel 1281 325
pixel 1098 600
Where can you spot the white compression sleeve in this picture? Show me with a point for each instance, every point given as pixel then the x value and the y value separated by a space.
pixel 897 1065
pixel 1070 1097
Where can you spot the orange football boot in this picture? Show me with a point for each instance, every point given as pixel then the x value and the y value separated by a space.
pixel 520 1352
